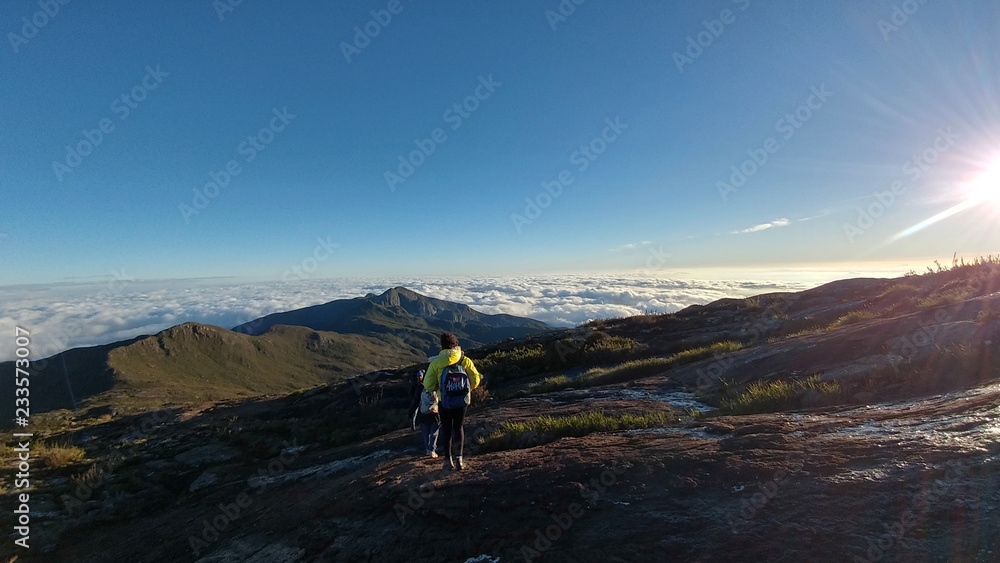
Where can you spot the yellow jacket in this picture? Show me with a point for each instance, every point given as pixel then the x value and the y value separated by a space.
pixel 432 379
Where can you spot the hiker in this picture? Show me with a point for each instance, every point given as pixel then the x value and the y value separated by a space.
pixel 424 407
pixel 454 377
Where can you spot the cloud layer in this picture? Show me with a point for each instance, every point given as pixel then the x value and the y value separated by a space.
pixel 63 316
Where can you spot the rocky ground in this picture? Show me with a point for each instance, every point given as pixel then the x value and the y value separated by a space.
pixel 902 465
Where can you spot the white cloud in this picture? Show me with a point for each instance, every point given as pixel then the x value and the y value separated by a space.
pixel 763 226
pixel 62 316
pixel 630 246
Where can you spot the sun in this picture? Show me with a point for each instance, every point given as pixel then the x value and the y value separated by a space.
pixel 986 187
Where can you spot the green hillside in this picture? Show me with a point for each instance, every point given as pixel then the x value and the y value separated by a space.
pixel 192 363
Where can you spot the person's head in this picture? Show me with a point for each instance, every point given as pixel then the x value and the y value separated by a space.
pixel 420 375
pixel 448 341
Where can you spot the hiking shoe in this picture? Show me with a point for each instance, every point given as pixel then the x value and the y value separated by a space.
pixel 461 465
pixel 448 465
pixel 434 454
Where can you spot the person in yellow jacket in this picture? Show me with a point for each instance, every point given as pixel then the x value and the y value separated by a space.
pixel 452 419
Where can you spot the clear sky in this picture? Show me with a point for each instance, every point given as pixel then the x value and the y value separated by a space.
pixel 647 109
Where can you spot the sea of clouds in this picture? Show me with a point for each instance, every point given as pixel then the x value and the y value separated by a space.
pixel 70 315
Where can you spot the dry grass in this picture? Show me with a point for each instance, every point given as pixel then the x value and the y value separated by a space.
pixel 56 455
pixel 769 396
pixel 546 429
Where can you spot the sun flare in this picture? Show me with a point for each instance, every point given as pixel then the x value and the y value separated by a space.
pixel 986 187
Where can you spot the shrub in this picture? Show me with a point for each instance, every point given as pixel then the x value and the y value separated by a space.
pixel 545 429
pixel 609 349
pixel 517 362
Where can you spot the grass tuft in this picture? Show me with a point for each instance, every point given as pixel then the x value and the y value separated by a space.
pixel 770 396
pixel 55 455
pixel 852 318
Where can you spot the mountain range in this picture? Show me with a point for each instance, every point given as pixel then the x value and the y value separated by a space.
pixel 282 352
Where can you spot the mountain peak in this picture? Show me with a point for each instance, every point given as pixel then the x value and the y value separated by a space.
pixel 419 319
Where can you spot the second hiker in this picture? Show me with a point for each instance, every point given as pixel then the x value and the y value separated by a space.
pixel 424 409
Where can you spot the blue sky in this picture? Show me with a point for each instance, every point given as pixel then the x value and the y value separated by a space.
pixel 873 84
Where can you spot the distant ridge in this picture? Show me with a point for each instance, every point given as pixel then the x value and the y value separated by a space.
pixel 415 318
pixel 196 363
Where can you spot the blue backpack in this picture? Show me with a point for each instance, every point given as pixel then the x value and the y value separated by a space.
pixel 455 386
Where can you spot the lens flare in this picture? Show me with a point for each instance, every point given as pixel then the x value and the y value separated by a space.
pixel 985 188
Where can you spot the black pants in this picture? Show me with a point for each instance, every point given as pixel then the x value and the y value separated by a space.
pixel 451 426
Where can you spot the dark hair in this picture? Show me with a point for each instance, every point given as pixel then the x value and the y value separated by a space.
pixel 448 340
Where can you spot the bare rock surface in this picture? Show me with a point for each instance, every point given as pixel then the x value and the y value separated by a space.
pixel 902 465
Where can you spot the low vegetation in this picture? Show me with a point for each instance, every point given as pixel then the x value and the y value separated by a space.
pixel 853 317
pixel 57 455
pixel 526 359
pixel 566 353
pixel 637 369
pixel 769 396
pixel 545 429
pixel 946 367
pixel 630 370
pixel 550 384
pixel 607 349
